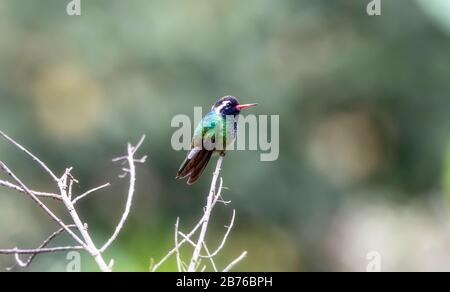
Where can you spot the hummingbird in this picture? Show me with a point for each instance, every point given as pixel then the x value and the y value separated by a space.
pixel 216 131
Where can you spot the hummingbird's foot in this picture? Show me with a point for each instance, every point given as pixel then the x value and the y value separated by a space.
pixel 222 153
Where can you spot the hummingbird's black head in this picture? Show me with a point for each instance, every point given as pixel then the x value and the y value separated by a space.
pixel 226 106
pixel 229 105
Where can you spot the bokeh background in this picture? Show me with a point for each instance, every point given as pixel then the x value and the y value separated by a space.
pixel 364 105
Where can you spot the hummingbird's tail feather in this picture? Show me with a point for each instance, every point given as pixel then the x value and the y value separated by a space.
pixel 188 164
pixel 194 165
pixel 200 167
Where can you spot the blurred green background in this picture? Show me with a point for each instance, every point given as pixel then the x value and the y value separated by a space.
pixel 364 105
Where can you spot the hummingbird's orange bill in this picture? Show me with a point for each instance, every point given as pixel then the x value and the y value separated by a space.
pixel 241 106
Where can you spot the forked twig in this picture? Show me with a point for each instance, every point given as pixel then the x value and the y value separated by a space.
pixel 132 173
pixel 214 196
pixel 40 248
pixel 224 240
pixel 41 204
pixel 64 185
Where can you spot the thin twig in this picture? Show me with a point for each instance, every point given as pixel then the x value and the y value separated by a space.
pixel 224 240
pixel 217 198
pixel 235 262
pixel 40 250
pixel 208 254
pixel 37 194
pixel 18 261
pixel 180 269
pixel 156 266
pixel 42 164
pixel 69 192
pixel 184 266
pixel 80 197
pixel 43 245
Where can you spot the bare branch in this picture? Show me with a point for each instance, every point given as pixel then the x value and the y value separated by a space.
pixel 37 194
pixel 180 269
pixel 209 206
pixel 80 197
pixel 43 245
pixel 156 266
pixel 224 240
pixel 132 173
pixel 69 192
pixel 208 254
pixel 184 266
pixel 42 164
pixel 18 261
pixel 40 204
pixel 138 145
pixel 40 250
pixel 89 245
pixel 214 197
pixel 235 262
pixel 65 185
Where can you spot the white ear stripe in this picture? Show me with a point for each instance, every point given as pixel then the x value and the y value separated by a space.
pixel 219 108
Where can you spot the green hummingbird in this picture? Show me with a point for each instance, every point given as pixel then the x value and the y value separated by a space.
pixel 216 131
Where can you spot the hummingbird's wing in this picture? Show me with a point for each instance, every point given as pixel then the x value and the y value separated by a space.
pixel 194 164
pixel 188 163
pixel 198 158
